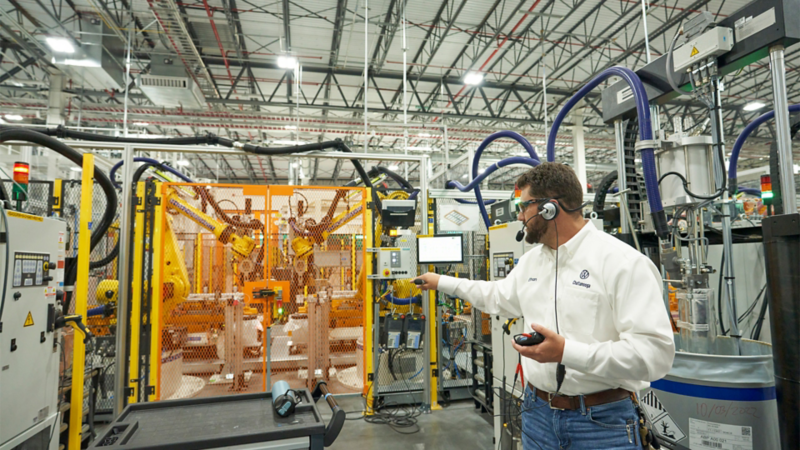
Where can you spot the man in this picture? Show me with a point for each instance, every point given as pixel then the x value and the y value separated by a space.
pixel 611 332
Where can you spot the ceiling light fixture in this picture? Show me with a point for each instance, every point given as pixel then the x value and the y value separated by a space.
pixel 753 106
pixel 141 124
pixel 287 62
pixel 424 135
pixel 60 45
pixel 15 117
pixel 183 162
pixel 394 167
pixel 473 78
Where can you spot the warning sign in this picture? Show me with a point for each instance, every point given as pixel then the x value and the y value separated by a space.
pixel 694 51
pixel 28 320
pixel 663 424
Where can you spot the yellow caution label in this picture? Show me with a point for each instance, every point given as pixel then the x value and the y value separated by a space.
pixel 497 227
pixel 694 51
pixel 29 320
pixel 20 215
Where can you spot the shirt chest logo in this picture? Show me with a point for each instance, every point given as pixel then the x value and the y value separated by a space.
pixel 584 274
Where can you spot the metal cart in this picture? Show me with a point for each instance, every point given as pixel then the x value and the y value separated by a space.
pixel 244 422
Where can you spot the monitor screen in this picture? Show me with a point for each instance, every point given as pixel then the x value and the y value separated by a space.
pixel 440 249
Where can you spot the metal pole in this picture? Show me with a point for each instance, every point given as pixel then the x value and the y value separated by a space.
pixel 126 225
pixel 366 74
pixel 446 157
pixel 544 97
pixel 622 182
pixel 405 93
pixel 646 39
pixel 131 26
pixel 426 354
pixel 778 68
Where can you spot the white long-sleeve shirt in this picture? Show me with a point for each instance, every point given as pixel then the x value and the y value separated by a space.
pixel 610 311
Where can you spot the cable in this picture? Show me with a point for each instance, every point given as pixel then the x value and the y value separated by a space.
pixel 752 307
pixel 716 195
pixel 670 66
pixel 561 370
pixel 719 296
pixel 8 259
pixel 755 334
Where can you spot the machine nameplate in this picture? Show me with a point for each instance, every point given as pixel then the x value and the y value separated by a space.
pixel 748 26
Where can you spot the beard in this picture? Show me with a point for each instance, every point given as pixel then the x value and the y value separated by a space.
pixel 535 231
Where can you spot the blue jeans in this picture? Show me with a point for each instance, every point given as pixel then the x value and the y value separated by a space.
pixel 612 426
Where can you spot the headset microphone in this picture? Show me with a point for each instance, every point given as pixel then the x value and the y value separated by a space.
pixel 521 232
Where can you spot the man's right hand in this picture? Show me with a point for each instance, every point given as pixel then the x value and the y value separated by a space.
pixel 431 281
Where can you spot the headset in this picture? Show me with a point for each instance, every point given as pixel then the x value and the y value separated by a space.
pixel 549 210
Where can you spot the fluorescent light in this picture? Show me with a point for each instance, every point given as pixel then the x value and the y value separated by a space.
pixel 141 124
pixel 483 169
pixel 540 142
pixel 15 117
pixel 295 164
pixel 60 44
pixel 290 127
pixel 288 142
pixel 420 149
pixel 287 62
pixel 465 176
pixel 753 106
pixel 393 167
pixel 183 162
pixel 473 78
pixel 86 62
pixel 76 169
pixel 424 135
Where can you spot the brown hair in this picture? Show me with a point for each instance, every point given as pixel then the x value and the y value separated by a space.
pixel 553 180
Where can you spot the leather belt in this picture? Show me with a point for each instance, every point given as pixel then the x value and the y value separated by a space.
pixel 573 402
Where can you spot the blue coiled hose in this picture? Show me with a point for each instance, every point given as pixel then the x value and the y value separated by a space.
pixel 476 183
pixel 113 173
pixel 645 134
pixel 476 161
pixel 737 146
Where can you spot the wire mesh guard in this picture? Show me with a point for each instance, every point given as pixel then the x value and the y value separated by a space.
pixel 102 286
pixel 224 247
pixel 458 322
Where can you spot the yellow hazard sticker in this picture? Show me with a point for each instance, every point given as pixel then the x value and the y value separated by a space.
pixel 20 215
pixel 28 320
pixel 694 51
pixel 497 227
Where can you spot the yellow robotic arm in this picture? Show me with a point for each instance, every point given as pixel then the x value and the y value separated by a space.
pixel 242 245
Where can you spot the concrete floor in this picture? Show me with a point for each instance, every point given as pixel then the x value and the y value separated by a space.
pixel 457 427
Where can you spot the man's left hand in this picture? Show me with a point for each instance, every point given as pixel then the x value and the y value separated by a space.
pixel 549 351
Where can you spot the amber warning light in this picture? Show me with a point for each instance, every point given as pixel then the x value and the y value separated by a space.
pixel 21 174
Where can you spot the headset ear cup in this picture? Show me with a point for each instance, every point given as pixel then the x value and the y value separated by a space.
pixel 549 210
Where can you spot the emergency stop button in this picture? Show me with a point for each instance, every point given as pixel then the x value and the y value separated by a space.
pixel 386 272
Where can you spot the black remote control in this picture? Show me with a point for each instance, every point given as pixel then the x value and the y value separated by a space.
pixel 419 281
pixel 528 339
